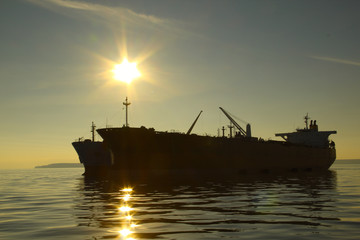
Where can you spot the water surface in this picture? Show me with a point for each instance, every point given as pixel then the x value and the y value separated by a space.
pixel 61 203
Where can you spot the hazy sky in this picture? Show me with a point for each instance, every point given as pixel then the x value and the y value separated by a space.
pixel 267 62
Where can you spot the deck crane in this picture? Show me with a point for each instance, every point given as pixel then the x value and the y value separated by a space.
pixel 242 132
pixel 192 126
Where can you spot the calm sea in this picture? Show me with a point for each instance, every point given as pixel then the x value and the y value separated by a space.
pixel 62 204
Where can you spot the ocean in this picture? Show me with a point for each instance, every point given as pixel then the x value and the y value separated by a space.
pixel 51 203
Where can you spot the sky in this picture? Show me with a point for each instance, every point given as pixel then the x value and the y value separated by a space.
pixel 268 63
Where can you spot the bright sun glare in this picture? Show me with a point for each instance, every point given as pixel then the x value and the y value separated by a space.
pixel 126 71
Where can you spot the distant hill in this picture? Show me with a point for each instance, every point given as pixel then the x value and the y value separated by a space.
pixel 61 165
pixel 348 161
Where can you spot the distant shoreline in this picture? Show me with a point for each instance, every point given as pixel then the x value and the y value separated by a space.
pixel 61 165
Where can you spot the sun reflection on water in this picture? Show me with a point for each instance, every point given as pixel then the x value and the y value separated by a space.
pixel 126 197
pixel 128 217
pixel 127 189
pixel 126 231
pixel 125 208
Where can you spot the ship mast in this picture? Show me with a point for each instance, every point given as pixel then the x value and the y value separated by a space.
pixel 230 127
pixel 306 120
pixel 126 103
pixel 223 131
pixel 93 131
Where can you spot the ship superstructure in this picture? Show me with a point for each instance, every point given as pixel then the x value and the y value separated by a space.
pixel 309 136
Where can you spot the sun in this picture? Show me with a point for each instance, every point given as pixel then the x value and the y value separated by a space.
pixel 126 71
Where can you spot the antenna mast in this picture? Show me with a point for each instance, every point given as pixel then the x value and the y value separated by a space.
pixel 126 103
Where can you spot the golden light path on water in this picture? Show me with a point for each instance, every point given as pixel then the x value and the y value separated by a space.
pixel 126 231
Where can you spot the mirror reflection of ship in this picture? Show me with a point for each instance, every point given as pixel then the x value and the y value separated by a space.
pixel 147 150
pixel 93 154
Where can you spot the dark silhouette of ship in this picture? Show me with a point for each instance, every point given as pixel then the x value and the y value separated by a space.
pixel 94 156
pixel 147 150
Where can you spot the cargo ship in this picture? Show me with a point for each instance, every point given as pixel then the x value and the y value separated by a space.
pixel 94 156
pixel 147 150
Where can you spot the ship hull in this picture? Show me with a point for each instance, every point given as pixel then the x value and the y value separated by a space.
pixel 95 158
pixel 146 150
